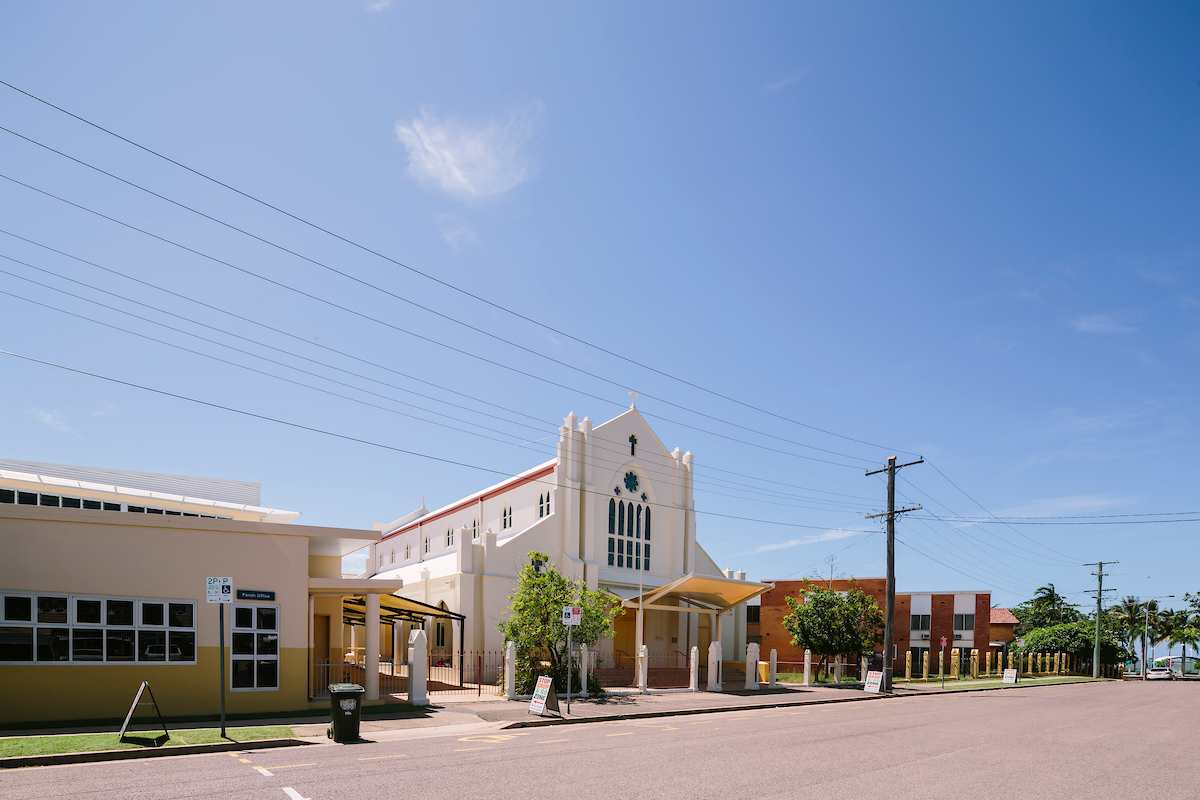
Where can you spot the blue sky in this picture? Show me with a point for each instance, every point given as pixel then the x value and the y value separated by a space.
pixel 962 232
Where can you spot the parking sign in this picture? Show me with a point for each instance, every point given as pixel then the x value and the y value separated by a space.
pixel 572 615
pixel 219 590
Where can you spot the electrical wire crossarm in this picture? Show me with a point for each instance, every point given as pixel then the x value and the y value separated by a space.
pixel 897 511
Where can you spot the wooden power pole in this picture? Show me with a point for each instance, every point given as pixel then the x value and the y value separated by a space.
pixel 889 611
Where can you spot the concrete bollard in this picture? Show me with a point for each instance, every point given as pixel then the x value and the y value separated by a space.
pixel 807 667
pixel 510 670
pixel 908 665
pixel 942 664
pixel 974 663
pixel 955 660
pixel 752 665
pixel 694 668
pixel 643 658
pixel 418 666
pixel 774 666
pixel 987 661
pixel 584 657
pixel 925 665
pixel 714 667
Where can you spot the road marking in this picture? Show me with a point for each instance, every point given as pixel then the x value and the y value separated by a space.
pixel 627 733
pixel 244 760
pixel 552 741
pixel 494 738
pixel 465 749
pixel 290 766
pixel 262 771
pixel 292 793
pixel 701 722
pixel 663 727
pixel 376 758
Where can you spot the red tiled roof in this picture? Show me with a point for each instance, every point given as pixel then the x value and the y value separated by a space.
pixel 1002 616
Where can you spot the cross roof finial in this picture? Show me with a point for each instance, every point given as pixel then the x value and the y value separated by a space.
pixel 633 404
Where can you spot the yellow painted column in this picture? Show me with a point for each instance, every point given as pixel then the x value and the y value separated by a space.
pixel 987 662
pixel 975 663
pixel 908 665
pixel 941 663
pixel 925 665
pixel 955 660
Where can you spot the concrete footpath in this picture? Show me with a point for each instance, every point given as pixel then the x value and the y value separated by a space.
pixel 446 717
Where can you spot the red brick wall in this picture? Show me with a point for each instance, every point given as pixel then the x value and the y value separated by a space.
pixel 983 626
pixel 775 608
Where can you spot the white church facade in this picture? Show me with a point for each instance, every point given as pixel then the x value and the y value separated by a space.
pixel 614 508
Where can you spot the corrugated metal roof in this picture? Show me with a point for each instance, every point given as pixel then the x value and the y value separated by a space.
pixel 239 493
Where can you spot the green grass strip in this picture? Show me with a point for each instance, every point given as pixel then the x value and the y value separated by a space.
pixel 89 742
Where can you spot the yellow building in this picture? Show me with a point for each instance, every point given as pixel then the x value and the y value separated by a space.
pixel 103 585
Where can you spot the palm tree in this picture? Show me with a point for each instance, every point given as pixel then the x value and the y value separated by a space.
pixel 1184 630
pixel 1130 616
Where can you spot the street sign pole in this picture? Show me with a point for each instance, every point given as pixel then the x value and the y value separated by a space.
pixel 221 633
pixel 220 591
pixel 569 654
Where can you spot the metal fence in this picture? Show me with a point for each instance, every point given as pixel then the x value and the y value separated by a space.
pixel 616 671
pixel 668 671
pixel 327 672
pixel 466 674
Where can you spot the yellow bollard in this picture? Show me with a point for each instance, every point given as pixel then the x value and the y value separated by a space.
pixel 987 663
pixel 925 665
pixel 942 664
pixel 974 663
pixel 908 665
pixel 955 660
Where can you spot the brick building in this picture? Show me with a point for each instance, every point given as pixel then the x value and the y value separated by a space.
pixel 921 618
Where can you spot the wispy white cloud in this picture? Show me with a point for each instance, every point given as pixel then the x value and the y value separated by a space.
pixel 470 162
pixel 51 419
pixel 827 536
pixel 1067 506
pixel 375 6
pixel 104 412
pixel 455 233
pixel 1112 322
pixel 795 77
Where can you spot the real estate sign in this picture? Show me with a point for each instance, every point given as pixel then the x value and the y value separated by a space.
pixel 1010 676
pixel 874 679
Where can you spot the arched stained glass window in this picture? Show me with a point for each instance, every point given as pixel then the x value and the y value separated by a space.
pixel 612 516
pixel 639 522
pixel 629 528
pixel 621 519
pixel 647 526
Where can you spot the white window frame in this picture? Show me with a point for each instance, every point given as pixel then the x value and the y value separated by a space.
pixel 255 631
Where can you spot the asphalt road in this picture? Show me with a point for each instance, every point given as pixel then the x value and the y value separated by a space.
pixel 1110 740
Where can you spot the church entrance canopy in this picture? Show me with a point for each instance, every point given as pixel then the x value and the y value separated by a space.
pixel 695 594
pixel 703 594
pixel 393 609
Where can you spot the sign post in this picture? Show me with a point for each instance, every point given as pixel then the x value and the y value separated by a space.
pixel 942 665
pixel 220 591
pixel 571 616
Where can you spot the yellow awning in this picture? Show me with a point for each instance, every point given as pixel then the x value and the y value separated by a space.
pixel 709 592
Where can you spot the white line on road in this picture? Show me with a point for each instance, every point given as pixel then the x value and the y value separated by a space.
pixel 293 794
pixel 262 771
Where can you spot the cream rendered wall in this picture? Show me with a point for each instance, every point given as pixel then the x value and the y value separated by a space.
pixel 72 551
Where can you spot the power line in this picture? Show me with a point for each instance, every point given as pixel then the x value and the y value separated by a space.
pixel 306 341
pixel 427 309
pixel 438 280
pixel 397 328
pixel 370 443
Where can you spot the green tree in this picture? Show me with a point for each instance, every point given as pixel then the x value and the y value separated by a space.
pixel 533 620
pixel 1077 639
pixel 1128 617
pixel 832 624
pixel 1046 608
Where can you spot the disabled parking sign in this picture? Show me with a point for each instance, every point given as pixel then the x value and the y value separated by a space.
pixel 219 590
